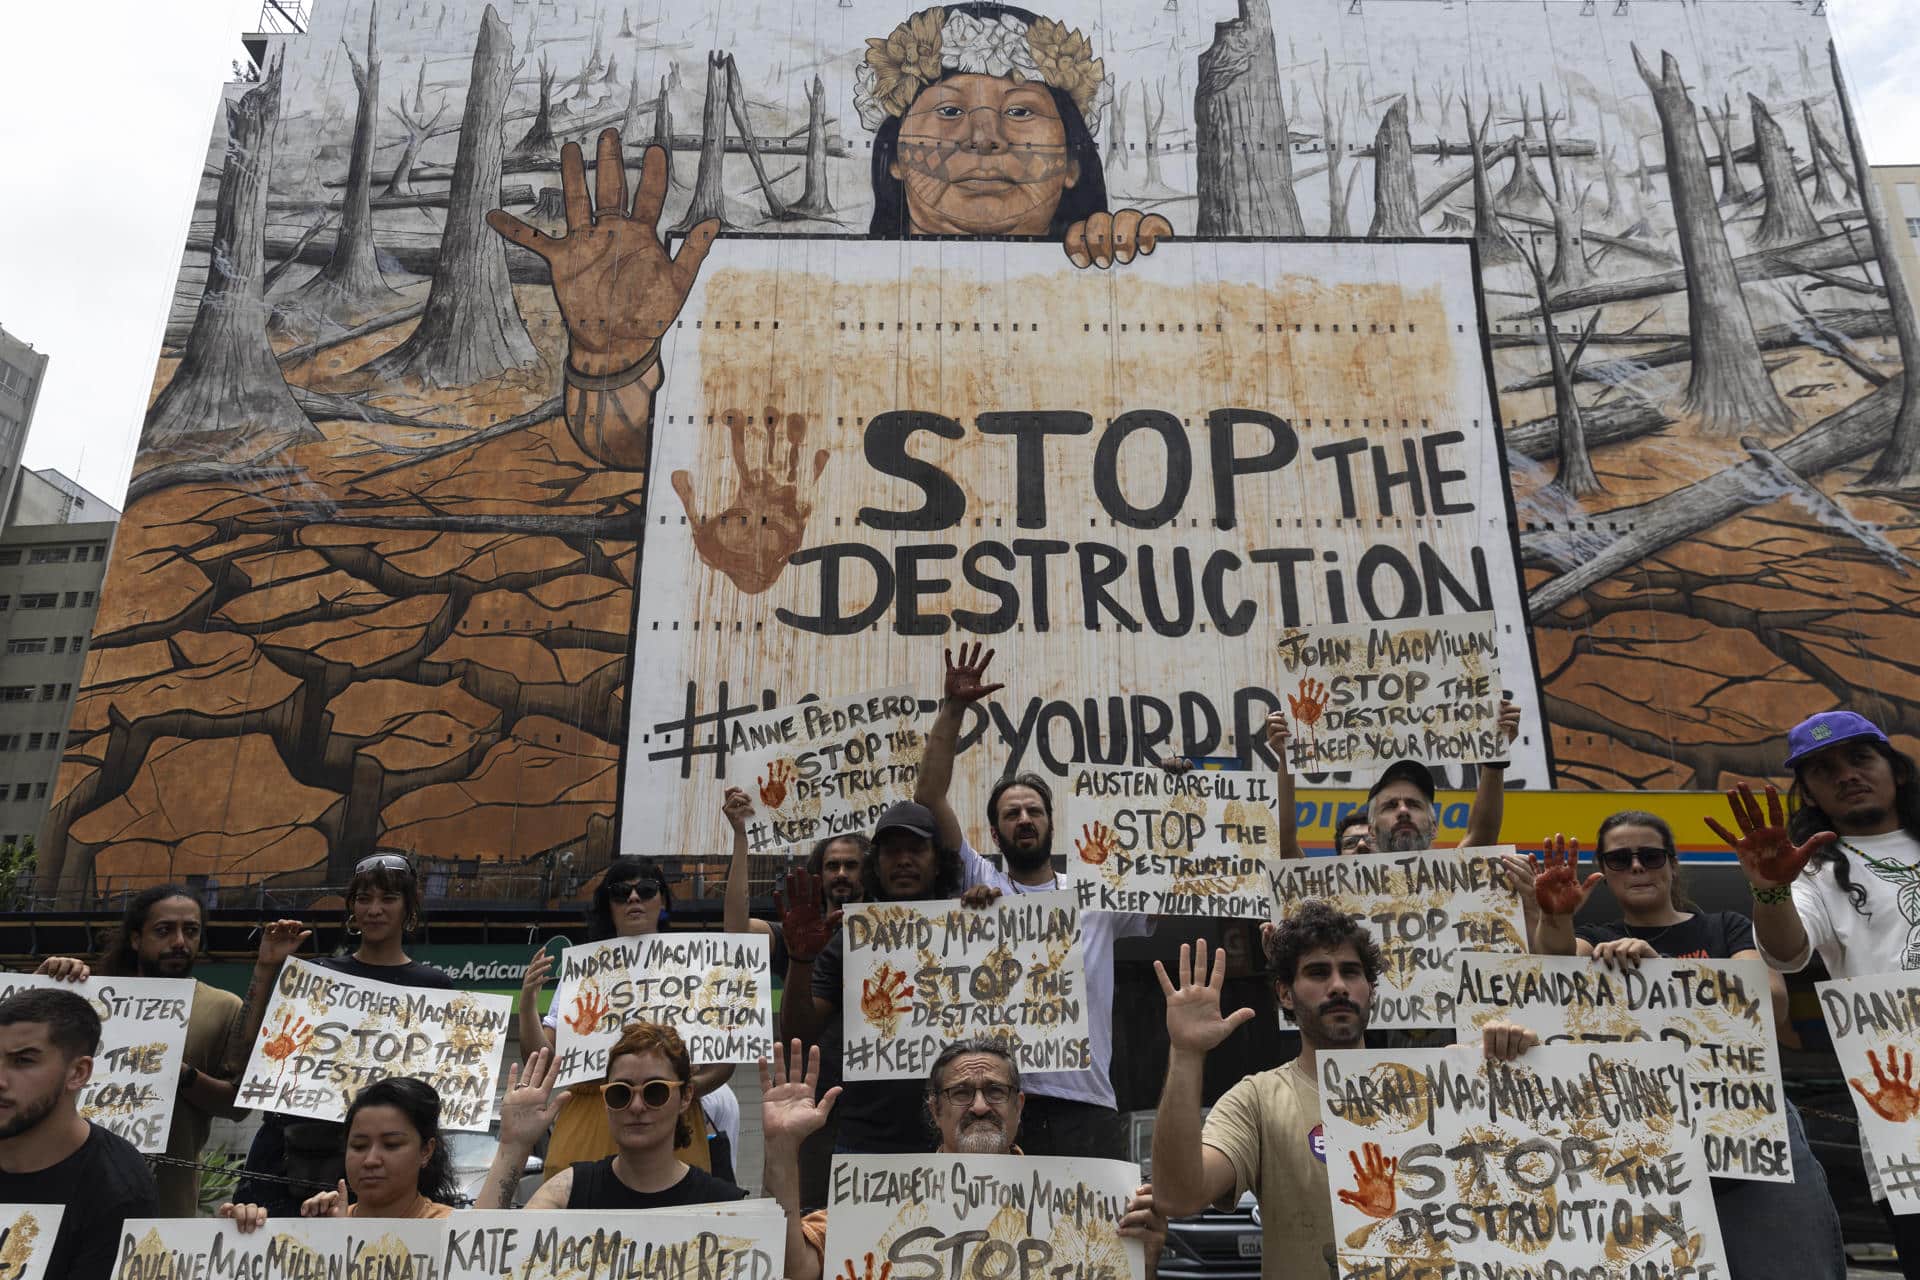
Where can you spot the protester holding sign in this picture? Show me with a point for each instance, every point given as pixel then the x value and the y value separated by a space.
pixel 1069 1112
pixel 159 937
pixel 383 903
pixel 49 1153
pixel 633 900
pixel 397 1161
pixel 1843 876
pixel 1265 1134
pixel 648 1102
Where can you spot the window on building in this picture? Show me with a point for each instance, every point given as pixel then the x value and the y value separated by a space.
pixel 79 643
pixel 9 742
pixel 39 791
pixel 21 790
pixel 86 599
pixel 36 645
pixel 1913 227
pixel 16 379
pixel 99 552
pixel 66 691
pixel 34 741
pixel 39 600
pixel 6 603
pixel 46 693
pixel 59 644
pixel 49 555
pixel 71 599
pixel 10 555
pixel 16 693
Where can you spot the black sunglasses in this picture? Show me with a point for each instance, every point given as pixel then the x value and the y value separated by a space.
pixel 1652 857
pixel 645 890
pixel 383 862
pixel 653 1094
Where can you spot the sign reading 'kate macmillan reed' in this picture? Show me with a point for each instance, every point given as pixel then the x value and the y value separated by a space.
pixel 1128 483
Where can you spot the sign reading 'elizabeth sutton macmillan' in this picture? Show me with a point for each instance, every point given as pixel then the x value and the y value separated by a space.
pixel 920 975
pixel 1148 841
pixel 1720 1013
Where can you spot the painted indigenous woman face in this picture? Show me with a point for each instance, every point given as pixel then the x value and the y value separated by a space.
pixel 981 155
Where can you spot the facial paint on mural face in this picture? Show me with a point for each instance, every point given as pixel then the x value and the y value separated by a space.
pixel 981 155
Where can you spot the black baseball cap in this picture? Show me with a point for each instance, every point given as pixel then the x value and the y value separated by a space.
pixel 905 816
pixel 1405 771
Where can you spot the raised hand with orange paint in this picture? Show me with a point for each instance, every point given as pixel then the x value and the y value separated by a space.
pixel 965 678
pixel 1096 844
pixel 773 787
pixel 885 996
pixel 806 927
pixel 1894 1096
pixel 1373 1187
pixel 1767 854
pixel 1558 887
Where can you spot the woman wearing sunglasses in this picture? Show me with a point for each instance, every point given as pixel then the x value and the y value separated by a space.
pixel 633 899
pixel 1636 855
pixel 383 903
pixel 647 1105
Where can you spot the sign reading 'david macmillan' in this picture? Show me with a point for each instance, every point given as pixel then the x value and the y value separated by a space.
pixel 327 1036
pixel 1148 841
pixel 1568 1161
pixel 739 1240
pixel 1424 908
pixel 1719 1012
pixel 27 1233
pixel 825 768
pixel 1127 483
pixel 292 1248
pixel 917 976
pixel 143 1038
pixel 1875 1024
pixel 713 988
pixel 966 1215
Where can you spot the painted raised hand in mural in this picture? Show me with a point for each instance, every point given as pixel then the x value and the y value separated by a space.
pixel 1558 887
pixel 885 996
pixel 752 538
pixel 287 1038
pixel 1096 844
pixel 1309 704
pixel 1894 1096
pixel 1103 239
pixel 1373 1188
pixel 1768 856
pixel 618 289
pixel 773 787
pixel 589 1007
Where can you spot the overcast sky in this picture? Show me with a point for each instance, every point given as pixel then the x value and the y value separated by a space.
pixel 105 109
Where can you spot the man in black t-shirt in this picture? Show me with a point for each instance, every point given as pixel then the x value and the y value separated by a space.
pixel 49 1152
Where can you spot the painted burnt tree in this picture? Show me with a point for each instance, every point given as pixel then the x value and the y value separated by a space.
pixel 1245 147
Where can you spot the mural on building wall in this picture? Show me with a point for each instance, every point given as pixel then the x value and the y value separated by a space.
pixel 375 584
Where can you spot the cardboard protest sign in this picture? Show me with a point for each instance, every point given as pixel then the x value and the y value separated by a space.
pixel 27 1232
pixel 1875 1024
pixel 713 988
pixel 1719 1012
pixel 143 1037
pixel 825 768
pixel 982 1216
pixel 741 1240
pixel 1424 907
pixel 1568 1161
pixel 292 1248
pixel 327 1036
pixel 1147 841
pixel 919 975
pixel 1370 693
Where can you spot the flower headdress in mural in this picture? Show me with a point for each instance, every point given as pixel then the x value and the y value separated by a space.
pixel 934 42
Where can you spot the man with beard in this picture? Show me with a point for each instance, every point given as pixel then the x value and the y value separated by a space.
pixel 1068 1113
pixel 1265 1135
pixel 160 937
pixel 49 1152
pixel 973 1100
pixel 906 864
pixel 1839 878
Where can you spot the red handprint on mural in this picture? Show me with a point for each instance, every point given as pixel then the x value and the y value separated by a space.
pixel 1096 844
pixel 589 1007
pixel 1309 704
pixel 884 997
pixel 1373 1192
pixel 773 787
pixel 1894 1096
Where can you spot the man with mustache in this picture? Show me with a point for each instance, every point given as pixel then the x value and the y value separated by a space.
pixel 974 1102
pixel 160 937
pixel 1068 1113
pixel 1264 1134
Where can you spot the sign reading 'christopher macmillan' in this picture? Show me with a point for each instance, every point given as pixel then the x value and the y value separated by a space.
pixel 1127 483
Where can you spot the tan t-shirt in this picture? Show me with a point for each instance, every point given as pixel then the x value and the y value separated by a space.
pixel 212 1021
pixel 1268 1126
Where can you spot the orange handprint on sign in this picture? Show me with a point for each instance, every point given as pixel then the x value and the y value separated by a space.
pixel 589 1007
pixel 848 1271
pixel 289 1037
pixel 884 997
pixel 1309 703
pixel 773 787
pixel 1096 844
pixel 1373 1192
pixel 1894 1097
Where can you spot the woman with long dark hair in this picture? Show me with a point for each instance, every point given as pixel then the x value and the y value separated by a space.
pixel 397 1162
pixel 633 898
pixel 1640 865
pixel 383 904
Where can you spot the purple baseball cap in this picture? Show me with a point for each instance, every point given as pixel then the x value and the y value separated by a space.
pixel 1828 729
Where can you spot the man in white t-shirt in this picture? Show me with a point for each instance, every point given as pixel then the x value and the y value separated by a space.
pixel 1838 877
pixel 1068 1113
